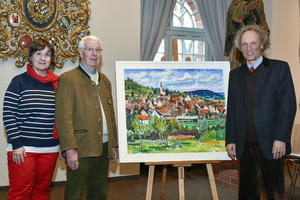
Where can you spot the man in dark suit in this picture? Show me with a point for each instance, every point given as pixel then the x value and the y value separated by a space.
pixel 260 114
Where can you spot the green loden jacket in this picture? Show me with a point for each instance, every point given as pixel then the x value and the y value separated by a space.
pixel 78 117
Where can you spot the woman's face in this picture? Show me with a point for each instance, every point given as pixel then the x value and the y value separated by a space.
pixel 41 59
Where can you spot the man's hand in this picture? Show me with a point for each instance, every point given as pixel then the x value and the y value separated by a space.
pixel 278 149
pixel 231 150
pixel 115 154
pixel 72 159
pixel 18 155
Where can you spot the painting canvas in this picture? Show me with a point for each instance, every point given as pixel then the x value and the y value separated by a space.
pixel 171 111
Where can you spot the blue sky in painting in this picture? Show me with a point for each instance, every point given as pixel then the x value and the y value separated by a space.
pixel 179 79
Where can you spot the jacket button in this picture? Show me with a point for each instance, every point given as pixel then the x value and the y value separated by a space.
pixel 99 132
pixel 99 120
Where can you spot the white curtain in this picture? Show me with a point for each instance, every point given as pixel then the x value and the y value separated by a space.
pixel 213 15
pixel 155 18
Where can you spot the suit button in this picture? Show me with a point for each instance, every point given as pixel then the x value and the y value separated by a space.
pixel 99 132
pixel 99 120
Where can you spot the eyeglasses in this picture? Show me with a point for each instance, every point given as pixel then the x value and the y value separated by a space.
pixel 40 54
pixel 91 50
pixel 253 45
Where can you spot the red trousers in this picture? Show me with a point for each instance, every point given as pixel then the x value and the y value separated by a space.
pixel 31 180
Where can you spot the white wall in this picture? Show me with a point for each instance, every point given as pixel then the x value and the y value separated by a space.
pixel 117 23
pixel 285 39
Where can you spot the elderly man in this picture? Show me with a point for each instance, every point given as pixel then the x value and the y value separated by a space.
pixel 260 114
pixel 85 123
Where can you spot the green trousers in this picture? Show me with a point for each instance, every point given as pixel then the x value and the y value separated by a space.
pixel 91 175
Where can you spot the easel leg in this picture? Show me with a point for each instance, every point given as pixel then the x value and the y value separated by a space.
pixel 163 182
pixel 212 182
pixel 181 182
pixel 150 182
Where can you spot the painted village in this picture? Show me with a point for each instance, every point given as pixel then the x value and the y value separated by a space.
pixel 159 120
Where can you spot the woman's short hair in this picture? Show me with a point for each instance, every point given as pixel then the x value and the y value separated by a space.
pixel 40 44
pixel 263 36
pixel 82 41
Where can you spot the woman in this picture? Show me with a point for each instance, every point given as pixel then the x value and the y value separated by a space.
pixel 28 116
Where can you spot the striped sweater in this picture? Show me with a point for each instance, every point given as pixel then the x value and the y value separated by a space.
pixel 28 115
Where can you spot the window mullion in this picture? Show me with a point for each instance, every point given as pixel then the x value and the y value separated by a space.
pixel 168 47
pixel 184 32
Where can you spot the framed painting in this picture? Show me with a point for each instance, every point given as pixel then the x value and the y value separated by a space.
pixel 171 111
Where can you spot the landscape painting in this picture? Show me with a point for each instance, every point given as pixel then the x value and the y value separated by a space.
pixel 171 111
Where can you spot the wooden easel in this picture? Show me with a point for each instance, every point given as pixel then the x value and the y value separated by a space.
pixel 180 164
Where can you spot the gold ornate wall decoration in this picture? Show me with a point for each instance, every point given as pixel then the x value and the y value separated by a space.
pixel 62 22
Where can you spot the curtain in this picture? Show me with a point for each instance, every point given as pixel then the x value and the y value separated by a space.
pixel 213 15
pixel 155 18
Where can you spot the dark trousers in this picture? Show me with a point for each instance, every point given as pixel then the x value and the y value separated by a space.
pixel 257 172
pixel 92 173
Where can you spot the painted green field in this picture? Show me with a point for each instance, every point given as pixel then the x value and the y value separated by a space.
pixel 176 146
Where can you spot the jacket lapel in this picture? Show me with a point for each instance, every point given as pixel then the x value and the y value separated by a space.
pixel 263 76
pixel 242 77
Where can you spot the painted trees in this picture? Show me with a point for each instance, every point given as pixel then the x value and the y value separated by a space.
pixel 202 126
pixel 139 128
pixel 161 126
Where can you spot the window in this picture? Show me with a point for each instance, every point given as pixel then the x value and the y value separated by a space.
pixel 187 28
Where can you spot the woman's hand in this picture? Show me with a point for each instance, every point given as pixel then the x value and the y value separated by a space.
pixel 19 155
pixel 60 156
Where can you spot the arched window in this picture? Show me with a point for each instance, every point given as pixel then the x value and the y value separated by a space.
pixel 187 28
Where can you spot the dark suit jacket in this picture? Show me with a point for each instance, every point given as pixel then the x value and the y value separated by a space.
pixel 274 106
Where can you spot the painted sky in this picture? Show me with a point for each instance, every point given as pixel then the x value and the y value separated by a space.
pixel 179 79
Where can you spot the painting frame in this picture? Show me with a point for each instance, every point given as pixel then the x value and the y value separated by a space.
pixel 123 68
